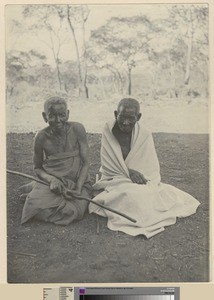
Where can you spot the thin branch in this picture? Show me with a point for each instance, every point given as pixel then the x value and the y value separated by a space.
pixel 22 253
pixel 41 40
pixel 52 43
pixel 86 17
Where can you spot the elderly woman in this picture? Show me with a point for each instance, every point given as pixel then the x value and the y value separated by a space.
pixel 131 180
pixel 60 159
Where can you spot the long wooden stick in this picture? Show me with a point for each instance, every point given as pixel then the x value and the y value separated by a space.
pixel 78 197
pixel 22 253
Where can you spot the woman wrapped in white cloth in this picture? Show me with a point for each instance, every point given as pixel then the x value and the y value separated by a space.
pixel 130 180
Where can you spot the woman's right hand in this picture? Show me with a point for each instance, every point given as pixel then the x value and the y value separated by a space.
pixel 137 177
pixel 56 186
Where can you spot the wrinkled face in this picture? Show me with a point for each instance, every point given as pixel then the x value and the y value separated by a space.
pixel 56 116
pixel 126 118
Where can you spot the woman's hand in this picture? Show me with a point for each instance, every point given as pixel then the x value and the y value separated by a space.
pixel 77 191
pixel 137 177
pixel 56 186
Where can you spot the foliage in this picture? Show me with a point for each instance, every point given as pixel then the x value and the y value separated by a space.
pixel 165 56
pixel 122 41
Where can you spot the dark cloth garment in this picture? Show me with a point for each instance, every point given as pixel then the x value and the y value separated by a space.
pixel 41 203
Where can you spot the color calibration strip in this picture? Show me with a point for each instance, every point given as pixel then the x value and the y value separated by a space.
pixel 127 297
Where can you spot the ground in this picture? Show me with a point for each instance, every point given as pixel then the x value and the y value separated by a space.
pixel 46 253
pixel 163 115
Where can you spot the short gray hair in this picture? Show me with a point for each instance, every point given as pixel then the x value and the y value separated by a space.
pixel 129 103
pixel 54 100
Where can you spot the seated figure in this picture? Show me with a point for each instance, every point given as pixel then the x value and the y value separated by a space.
pixel 130 181
pixel 61 160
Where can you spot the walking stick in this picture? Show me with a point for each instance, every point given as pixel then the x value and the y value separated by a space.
pixel 70 192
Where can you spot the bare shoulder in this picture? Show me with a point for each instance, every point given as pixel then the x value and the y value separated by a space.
pixel 41 135
pixel 78 128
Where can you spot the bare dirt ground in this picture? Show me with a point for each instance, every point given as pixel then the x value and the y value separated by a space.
pixel 76 253
pixel 159 116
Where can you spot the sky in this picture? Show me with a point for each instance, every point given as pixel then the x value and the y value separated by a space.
pixel 98 15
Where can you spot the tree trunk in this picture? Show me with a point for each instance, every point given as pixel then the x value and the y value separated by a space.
pixel 189 51
pixel 117 77
pixel 77 25
pixel 58 75
pixel 56 60
pixel 130 81
pixel 172 78
pixel 120 82
pixel 115 83
pixel 187 74
pixel 102 87
pixel 9 90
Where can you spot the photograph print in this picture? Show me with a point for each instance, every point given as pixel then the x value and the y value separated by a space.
pixel 107 110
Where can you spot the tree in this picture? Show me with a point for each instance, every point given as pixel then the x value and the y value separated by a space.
pixel 77 15
pixel 20 66
pixel 48 21
pixel 102 59
pixel 69 69
pixel 126 39
pixel 176 52
pixel 52 25
pixel 191 23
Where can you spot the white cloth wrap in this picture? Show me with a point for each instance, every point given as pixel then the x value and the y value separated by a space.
pixel 154 205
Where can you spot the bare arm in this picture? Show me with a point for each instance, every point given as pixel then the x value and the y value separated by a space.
pixel 55 184
pixel 83 144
